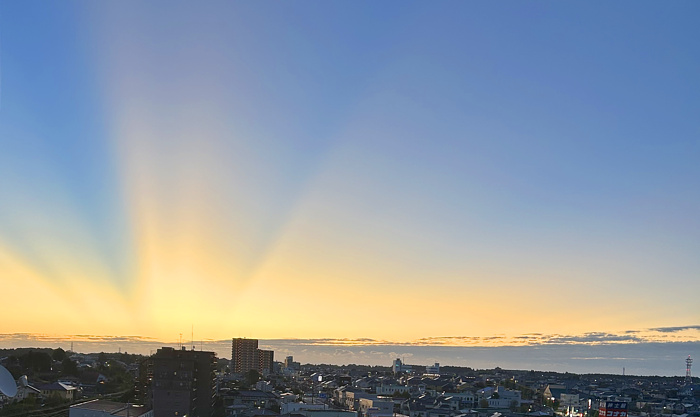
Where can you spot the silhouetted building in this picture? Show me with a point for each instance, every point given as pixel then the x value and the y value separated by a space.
pixel 144 380
pixel 399 366
pixel 244 355
pixel 433 370
pixel 182 383
pixel 266 359
pixel 290 364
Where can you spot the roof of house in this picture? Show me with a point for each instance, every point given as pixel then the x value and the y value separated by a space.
pixel 27 388
pixel 112 407
pixel 255 393
pixel 100 405
pixel 56 386
pixel 264 412
pixel 133 410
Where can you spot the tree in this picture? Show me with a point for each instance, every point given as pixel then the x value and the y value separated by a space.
pixel 513 406
pixel 101 359
pixel 69 367
pixel 36 361
pixel 58 354
pixel 527 392
pixel 398 394
pixel 251 377
pixel 20 408
pixel 128 396
pixel 483 403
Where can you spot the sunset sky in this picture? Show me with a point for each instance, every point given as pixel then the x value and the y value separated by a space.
pixel 388 170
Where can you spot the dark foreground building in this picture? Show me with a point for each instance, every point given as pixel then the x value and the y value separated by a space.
pixel 183 383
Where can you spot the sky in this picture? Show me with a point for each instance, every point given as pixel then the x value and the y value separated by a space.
pixel 394 171
pixel 629 354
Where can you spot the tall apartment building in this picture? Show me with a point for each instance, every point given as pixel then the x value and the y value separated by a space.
pixel 266 359
pixel 246 356
pixel 143 383
pixel 183 383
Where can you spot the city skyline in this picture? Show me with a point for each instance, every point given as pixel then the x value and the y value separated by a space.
pixel 634 351
pixel 457 173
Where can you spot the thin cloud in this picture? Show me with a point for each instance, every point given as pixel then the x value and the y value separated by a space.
pixel 594 338
pixel 675 329
pixel 670 334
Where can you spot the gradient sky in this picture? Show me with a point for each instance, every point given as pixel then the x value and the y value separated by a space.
pixel 392 170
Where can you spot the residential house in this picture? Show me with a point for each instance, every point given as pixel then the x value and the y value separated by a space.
pixel 59 389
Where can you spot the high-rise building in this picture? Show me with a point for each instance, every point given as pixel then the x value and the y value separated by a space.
pixel 183 382
pixel 266 359
pixel 246 356
pixel 290 366
pixel 143 383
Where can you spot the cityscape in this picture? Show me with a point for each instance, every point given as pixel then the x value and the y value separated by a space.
pixel 184 381
pixel 349 208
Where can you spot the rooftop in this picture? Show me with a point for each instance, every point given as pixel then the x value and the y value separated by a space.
pixel 101 405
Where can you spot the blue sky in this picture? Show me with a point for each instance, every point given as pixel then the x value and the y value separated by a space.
pixel 507 159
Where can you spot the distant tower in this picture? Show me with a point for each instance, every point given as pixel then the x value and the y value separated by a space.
pixel 688 364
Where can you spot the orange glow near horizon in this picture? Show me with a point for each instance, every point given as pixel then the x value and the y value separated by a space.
pixel 408 214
